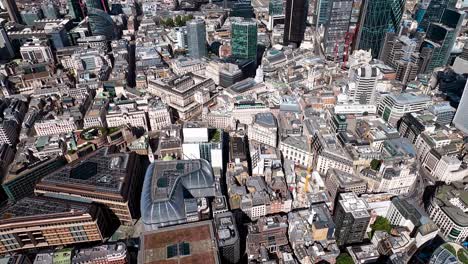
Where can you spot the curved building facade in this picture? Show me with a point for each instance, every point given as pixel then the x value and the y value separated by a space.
pixel 101 23
pixel 169 188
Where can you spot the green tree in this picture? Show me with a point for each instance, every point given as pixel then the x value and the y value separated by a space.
pixel 344 258
pixel 178 21
pixel 375 164
pixel 381 224
pixel 169 22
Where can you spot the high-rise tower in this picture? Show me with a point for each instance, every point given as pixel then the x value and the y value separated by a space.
pixel 12 10
pixel 441 37
pixel 336 27
pixel 244 39
pixel 295 21
pixel 378 18
pixel 351 218
pixel 75 9
pixel 434 11
pixel 196 38
pixel 460 120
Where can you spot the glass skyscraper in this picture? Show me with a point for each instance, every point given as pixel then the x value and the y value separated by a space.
pixel 275 7
pixel 74 9
pixel 101 23
pixel 434 11
pixel 50 10
pixel 244 39
pixel 322 12
pixel 295 21
pixel 196 38
pixel 441 37
pixel 98 4
pixel 336 27
pixel 379 17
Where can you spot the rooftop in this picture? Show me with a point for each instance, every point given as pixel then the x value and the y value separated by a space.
pixel 36 208
pixel 189 244
pixel 165 187
pixel 100 171
pixel 354 205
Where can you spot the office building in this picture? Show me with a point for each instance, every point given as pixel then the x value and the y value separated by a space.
pixel 187 243
pixel 203 143
pixel 126 115
pixel 6 49
pixel 264 129
pixel 432 11
pixel 75 9
pixel 379 17
pixel 244 39
pixel 50 10
pixel 228 237
pixel 242 9
pixel 339 182
pixel 270 233
pixel 23 175
pixel 196 38
pixel 163 199
pixel 403 212
pixel 351 219
pixel 443 112
pixel 275 13
pixel 402 54
pixel 30 15
pixel 460 120
pixel 111 179
pixel 276 8
pixel 440 38
pixel 336 29
pixel 97 4
pixel 363 254
pixel 185 94
pixel 101 23
pixel 447 208
pixel 411 125
pixel 158 115
pixel 392 107
pixel 12 9
pixel 115 253
pixel 321 12
pixel 295 21
pixel 361 88
pixel 37 222
pixel 37 51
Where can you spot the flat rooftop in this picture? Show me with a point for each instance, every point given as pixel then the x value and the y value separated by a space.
pixel 189 244
pixel 35 208
pixel 100 171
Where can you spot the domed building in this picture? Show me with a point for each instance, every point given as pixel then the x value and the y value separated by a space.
pixel 172 190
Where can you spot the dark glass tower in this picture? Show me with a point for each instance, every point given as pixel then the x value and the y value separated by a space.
pixel 243 9
pixel 336 27
pixel 295 21
pixel 434 12
pixel 244 39
pixel 378 18
pixel 12 10
pixel 98 4
pixel 101 23
pixel 75 10
pixel 441 37
pixel 196 38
